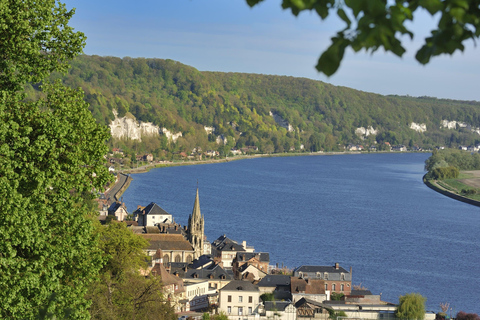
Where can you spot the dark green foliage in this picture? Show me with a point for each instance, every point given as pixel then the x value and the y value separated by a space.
pixel 267 296
pixel 445 164
pixel 336 296
pixel 449 172
pixel 51 161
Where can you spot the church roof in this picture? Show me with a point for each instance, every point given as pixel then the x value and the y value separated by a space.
pixel 167 242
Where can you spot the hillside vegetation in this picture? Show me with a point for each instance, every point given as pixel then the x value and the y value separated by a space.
pixel 240 107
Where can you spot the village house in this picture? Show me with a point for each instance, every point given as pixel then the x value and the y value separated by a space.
pixel 172 286
pixel 279 310
pixel 258 260
pixel 307 308
pixel 151 215
pixel 336 278
pixel 215 275
pixel 239 299
pixel 224 250
pixel 313 289
pixel 118 210
pixel 278 284
pixel 196 295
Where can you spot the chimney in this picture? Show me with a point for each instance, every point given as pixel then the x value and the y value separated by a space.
pixel 337 266
pixel 244 244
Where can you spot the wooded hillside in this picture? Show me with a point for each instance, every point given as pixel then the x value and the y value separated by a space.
pixel 240 107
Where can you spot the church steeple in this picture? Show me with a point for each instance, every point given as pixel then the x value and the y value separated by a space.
pixel 195 231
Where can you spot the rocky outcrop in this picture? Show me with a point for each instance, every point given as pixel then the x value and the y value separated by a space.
pixel 419 127
pixel 365 132
pixel 171 136
pixel 129 128
pixel 282 122
pixel 453 125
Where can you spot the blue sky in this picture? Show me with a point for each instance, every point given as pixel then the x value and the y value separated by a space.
pixel 229 36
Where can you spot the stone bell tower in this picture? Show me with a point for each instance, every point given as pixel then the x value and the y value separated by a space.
pixel 195 231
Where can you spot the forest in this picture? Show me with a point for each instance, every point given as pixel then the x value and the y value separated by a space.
pixel 240 106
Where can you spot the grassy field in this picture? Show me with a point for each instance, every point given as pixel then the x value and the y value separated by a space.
pixel 467 182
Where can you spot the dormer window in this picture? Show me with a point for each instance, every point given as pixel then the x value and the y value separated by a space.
pixel 319 275
pixel 342 277
pixel 325 276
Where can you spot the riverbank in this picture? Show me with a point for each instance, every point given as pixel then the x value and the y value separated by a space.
pixel 433 184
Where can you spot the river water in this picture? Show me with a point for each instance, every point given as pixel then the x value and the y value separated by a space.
pixel 370 211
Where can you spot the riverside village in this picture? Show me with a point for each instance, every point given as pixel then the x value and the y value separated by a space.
pixel 229 277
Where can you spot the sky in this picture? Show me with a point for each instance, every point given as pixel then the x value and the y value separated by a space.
pixel 229 36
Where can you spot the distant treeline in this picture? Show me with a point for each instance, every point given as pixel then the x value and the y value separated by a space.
pixel 239 106
pixel 445 164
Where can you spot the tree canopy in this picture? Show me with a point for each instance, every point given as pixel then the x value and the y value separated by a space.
pixel 374 24
pixel 411 306
pixel 51 160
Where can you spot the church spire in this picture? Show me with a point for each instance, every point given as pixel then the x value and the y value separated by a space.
pixel 195 231
pixel 196 215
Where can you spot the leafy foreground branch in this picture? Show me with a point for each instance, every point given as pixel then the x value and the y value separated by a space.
pixel 374 24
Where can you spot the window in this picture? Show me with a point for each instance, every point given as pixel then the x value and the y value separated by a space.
pixel 250 299
pixel 229 310
pixel 342 286
pixel 178 258
pixel 249 310
pixel 240 299
pixel 229 298
pixel 319 275
pixel 166 259
pixel 240 311
pixel 342 277
pixel 326 286
pixel 325 276
pixel 333 287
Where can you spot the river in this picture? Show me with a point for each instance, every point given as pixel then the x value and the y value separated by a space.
pixel 368 211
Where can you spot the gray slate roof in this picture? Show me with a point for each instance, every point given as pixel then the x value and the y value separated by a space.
pixel 154 208
pixel 225 244
pixel 240 285
pixel 274 280
pixel 322 269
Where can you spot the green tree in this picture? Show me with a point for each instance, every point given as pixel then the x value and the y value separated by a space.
pixel 51 158
pixel 411 306
pixel 375 24
pixel 121 291
pixel 36 40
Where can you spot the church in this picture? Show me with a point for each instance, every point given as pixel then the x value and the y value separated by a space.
pixel 196 230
